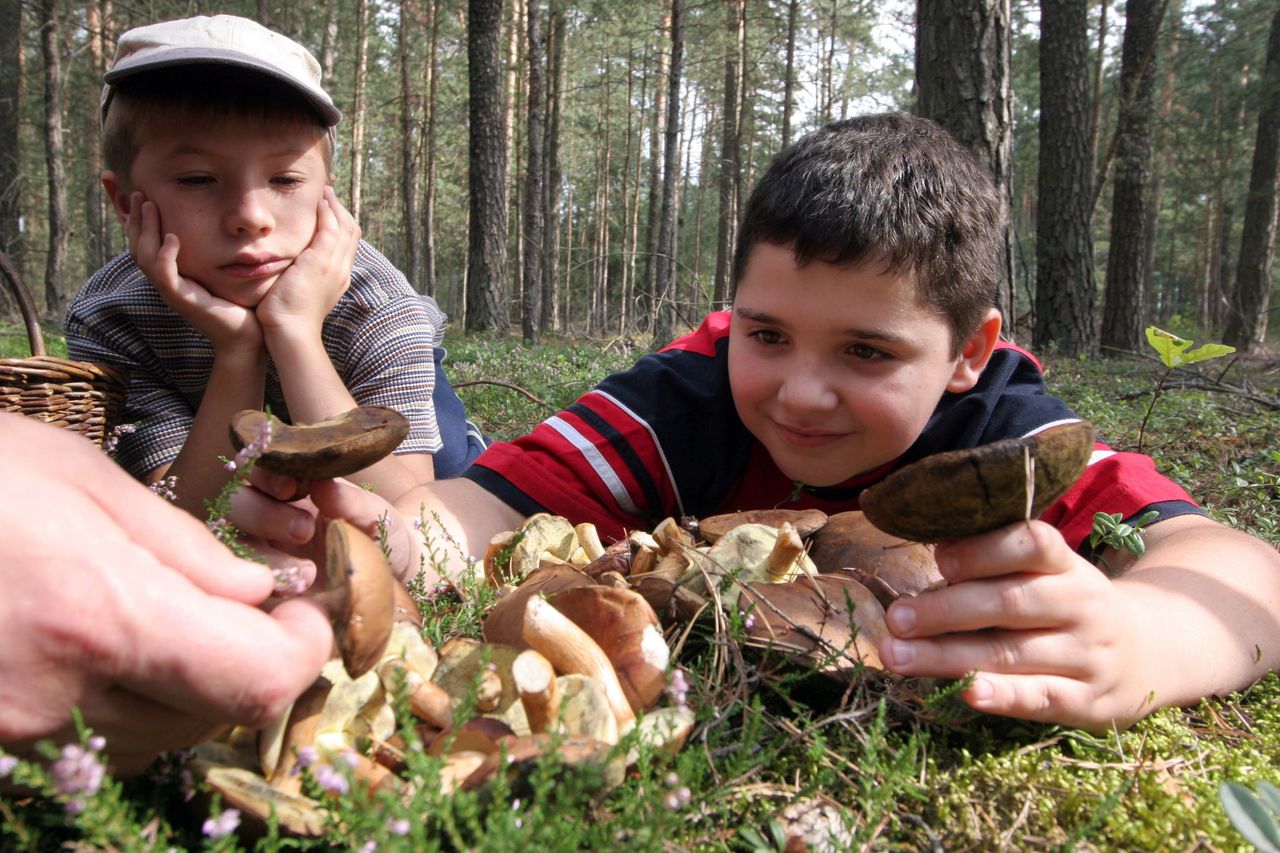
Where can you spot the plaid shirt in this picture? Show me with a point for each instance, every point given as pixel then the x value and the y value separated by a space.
pixel 380 337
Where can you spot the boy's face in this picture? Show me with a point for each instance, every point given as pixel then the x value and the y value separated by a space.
pixel 241 196
pixel 836 369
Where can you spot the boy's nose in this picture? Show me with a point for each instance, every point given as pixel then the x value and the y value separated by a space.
pixel 807 389
pixel 249 214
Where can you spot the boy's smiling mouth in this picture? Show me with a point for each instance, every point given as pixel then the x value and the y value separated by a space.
pixel 807 437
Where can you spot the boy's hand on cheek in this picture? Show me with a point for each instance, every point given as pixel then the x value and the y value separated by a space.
pixel 227 326
pixel 308 290
pixel 1045 631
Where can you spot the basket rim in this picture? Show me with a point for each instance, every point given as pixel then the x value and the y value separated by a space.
pixel 27 305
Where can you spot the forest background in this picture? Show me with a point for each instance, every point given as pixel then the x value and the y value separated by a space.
pixel 614 144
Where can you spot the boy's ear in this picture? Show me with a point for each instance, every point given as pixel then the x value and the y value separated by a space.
pixel 975 353
pixel 115 190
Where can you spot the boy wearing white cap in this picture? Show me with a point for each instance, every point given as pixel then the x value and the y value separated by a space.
pixel 246 281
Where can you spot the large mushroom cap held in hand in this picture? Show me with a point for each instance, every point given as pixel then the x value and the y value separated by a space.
pixel 334 447
pixel 978 489
pixel 361 596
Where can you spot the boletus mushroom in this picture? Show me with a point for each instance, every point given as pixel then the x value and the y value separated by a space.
pixel 974 490
pixel 850 541
pixel 360 596
pixel 334 447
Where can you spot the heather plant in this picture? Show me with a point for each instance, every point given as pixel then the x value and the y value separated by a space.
pixel 887 761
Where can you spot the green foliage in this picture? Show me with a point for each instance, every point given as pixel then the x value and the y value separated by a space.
pixel 1174 352
pixel 1256 815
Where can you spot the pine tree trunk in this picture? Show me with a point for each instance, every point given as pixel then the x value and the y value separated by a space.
pixel 730 147
pixel 531 316
pixel 1095 113
pixel 59 234
pixel 963 83
pixel 1247 318
pixel 329 42
pixel 1064 243
pixel 96 220
pixel 550 316
pixel 10 174
pixel 408 148
pixel 1122 318
pixel 664 290
pixel 487 151
pixel 358 109
pixel 789 78
pixel 429 147
pixel 657 137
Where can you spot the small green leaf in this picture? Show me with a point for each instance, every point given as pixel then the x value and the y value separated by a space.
pixel 1206 352
pixel 1169 346
pixel 1250 817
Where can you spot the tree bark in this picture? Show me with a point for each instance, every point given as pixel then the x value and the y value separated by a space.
pixel 408 150
pixel 789 77
pixel 550 315
pixel 96 219
pixel 531 316
pixel 963 83
pixel 1122 318
pixel 358 109
pixel 657 155
pixel 1064 243
pixel 664 290
pixel 1247 318
pixel 329 41
pixel 730 146
pixel 487 152
pixel 10 174
pixel 55 167
pixel 429 146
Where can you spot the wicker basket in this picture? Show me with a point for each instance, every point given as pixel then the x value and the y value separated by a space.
pixel 76 395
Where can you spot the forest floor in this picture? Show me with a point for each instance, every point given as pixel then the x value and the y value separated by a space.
pixel 881 765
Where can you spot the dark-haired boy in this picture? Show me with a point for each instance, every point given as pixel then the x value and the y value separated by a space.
pixel 246 281
pixel 864 335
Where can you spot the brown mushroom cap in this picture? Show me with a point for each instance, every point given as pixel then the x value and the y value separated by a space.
pixel 505 619
pixel 520 756
pixel 361 596
pixel 627 630
pixel 811 618
pixel 805 521
pixel 333 447
pixel 971 491
pixel 850 541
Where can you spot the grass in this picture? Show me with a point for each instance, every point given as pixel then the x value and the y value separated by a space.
pixel 894 762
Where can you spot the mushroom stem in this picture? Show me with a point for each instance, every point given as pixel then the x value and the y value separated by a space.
pixel 589 539
pixel 785 552
pixel 300 732
pixel 571 650
pixel 489 691
pixel 428 701
pixel 535 680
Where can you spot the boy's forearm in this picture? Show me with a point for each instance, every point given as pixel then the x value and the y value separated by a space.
pixel 236 382
pixel 314 391
pixel 1207 606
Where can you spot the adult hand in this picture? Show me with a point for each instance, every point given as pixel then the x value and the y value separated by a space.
pixel 308 290
pixel 127 608
pixel 1048 635
pixel 225 324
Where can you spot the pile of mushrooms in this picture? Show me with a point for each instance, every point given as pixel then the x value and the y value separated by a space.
pixel 573 656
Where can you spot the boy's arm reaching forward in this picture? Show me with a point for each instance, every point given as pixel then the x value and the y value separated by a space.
pixel 1051 638
pixel 292 316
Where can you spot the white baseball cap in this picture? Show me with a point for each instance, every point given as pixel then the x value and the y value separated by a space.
pixel 220 40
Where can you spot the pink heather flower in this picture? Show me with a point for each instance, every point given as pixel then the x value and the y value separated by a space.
pixel 166 487
pixel 289 581
pixel 222 825
pixel 307 756
pixel 78 771
pixel 253 449
pixel 7 763
pixel 672 779
pixel 671 801
pixel 749 622
pixel 678 689
pixel 186 784
pixel 330 779
pixel 417 523
pixel 684 795
pixel 113 438
pixel 350 758
pixel 97 743
pixel 369 847
pixel 398 827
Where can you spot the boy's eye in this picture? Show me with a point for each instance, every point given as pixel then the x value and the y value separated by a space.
pixel 768 337
pixel 195 180
pixel 286 180
pixel 867 352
